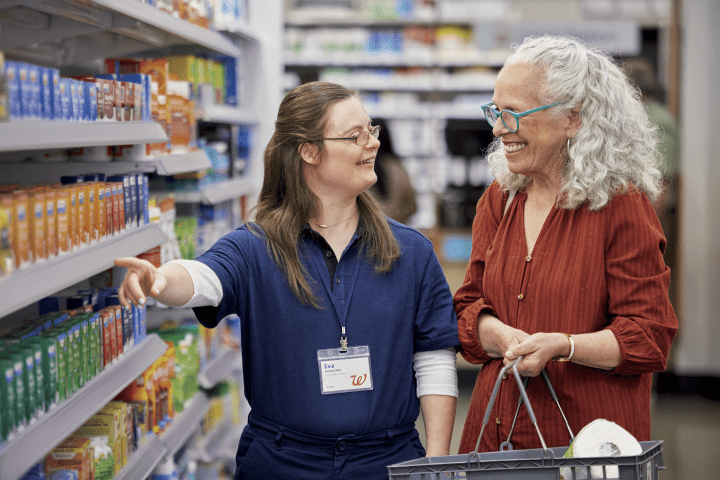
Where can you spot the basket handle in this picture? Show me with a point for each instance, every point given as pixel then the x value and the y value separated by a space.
pixel 491 402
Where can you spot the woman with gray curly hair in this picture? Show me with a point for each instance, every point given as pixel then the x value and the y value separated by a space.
pixel 566 267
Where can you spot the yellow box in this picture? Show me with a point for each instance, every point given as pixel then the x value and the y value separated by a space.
pixel 36 223
pixel 50 227
pixel 63 219
pixel 74 453
pixel 7 258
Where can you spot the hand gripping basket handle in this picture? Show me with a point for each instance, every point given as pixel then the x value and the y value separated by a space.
pixel 491 402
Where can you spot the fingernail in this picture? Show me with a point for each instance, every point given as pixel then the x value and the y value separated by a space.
pixel 141 301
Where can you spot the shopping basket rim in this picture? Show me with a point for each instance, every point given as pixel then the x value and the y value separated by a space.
pixel 553 455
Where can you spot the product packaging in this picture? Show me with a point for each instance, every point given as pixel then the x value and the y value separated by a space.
pixel 7 256
pixel 20 229
pixel 51 239
pixel 74 453
pixel 157 70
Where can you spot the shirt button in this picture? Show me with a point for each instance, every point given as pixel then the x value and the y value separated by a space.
pixel 328 254
pixel 528 258
pixel 497 420
pixel 341 445
pixel 521 296
pixel 337 280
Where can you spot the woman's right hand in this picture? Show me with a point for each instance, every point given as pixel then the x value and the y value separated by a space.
pixel 141 280
pixel 496 337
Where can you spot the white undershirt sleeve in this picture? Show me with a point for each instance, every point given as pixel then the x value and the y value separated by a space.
pixel 436 373
pixel 207 289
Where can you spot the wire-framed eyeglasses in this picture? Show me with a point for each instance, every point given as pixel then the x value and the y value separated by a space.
pixel 363 137
pixel 510 119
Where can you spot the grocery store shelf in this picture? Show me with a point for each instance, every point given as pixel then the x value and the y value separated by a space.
pixel 156 316
pixel 69 32
pixel 49 135
pixel 150 15
pixel 31 446
pixel 185 423
pixel 217 193
pixel 212 445
pixel 27 173
pixel 144 460
pixel 315 18
pixel 39 280
pixel 450 59
pixel 380 60
pixel 180 163
pixel 217 369
pixel 226 114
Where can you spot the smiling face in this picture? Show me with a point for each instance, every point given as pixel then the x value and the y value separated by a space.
pixel 535 150
pixel 344 168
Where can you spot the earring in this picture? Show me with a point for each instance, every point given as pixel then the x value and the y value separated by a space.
pixel 568 144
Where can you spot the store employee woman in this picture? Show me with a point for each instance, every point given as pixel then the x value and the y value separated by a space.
pixel 342 309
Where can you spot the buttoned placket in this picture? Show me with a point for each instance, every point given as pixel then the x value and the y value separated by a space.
pixel 341 286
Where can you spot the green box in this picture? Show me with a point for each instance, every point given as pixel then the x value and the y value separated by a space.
pixel 7 398
pixel 97 327
pixel 16 362
pixel 61 351
pixel 73 332
pixel 80 322
pixel 40 405
pixel 49 368
pixel 28 399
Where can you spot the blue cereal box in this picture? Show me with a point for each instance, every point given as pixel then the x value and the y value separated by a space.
pixel 26 91
pixel 75 89
pixel 90 101
pixel 55 89
pixel 46 98
pixel 65 101
pixel 12 70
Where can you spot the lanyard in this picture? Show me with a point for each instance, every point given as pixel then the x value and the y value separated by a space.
pixel 340 312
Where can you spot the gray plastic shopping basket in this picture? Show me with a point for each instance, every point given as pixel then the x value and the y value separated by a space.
pixel 531 464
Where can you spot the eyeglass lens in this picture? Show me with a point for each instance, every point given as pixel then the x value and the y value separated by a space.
pixel 363 138
pixel 508 119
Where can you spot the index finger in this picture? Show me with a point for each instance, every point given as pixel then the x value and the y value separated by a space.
pixel 129 262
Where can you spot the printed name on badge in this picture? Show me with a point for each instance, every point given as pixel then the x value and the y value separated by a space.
pixel 345 372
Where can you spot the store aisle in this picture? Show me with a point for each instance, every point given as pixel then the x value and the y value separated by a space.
pixel 689 427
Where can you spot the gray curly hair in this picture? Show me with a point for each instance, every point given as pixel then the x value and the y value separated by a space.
pixel 615 148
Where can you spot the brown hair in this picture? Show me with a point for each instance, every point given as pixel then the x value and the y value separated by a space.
pixel 286 203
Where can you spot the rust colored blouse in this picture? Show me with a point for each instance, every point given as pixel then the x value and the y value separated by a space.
pixel 588 271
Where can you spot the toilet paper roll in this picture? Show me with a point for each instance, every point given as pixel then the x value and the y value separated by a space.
pixel 600 438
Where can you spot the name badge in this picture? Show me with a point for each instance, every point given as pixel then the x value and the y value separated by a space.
pixel 342 372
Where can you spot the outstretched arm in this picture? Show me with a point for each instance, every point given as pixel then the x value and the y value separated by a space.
pixel 170 284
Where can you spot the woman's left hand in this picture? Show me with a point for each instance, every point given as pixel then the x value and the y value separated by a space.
pixel 537 349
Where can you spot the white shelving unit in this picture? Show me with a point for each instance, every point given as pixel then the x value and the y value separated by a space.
pixel 53 135
pixel 77 37
pixel 51 172
pixel 185 423
pixel 41 279
pixel 217 369
pixel 143 460
pixel 219 192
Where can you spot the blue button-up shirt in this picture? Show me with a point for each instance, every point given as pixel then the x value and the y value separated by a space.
pixel 396 314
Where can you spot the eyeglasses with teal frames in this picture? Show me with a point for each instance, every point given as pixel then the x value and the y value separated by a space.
pixel 510 119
